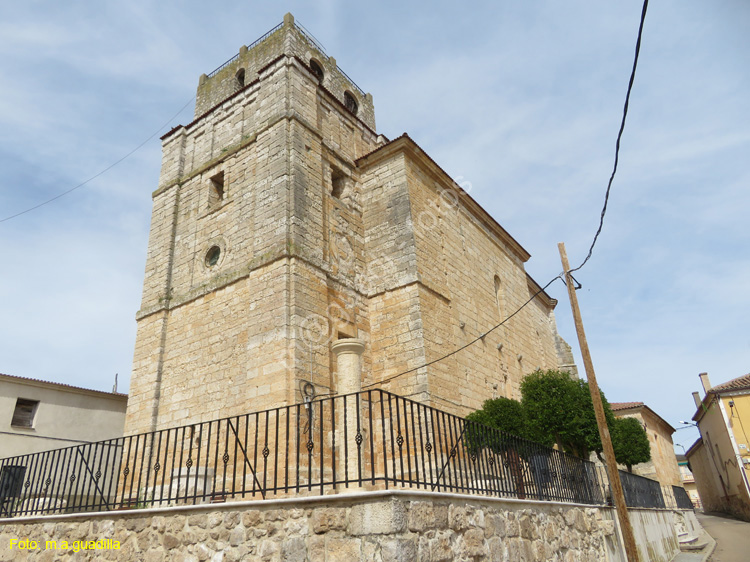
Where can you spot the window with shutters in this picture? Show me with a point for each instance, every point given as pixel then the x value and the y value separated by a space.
pixel 23 415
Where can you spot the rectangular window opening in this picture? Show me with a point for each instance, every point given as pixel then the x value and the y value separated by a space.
pixel 338 182
pixel 23 415
pixel 216 191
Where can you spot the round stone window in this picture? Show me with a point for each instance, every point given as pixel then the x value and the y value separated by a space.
pixel 212 256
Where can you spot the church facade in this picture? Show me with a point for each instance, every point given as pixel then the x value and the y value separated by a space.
pixel 284 223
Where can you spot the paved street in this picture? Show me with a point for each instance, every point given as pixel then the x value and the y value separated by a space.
pixel 732 537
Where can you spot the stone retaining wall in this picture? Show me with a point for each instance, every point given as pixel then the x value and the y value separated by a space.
pixel 380 526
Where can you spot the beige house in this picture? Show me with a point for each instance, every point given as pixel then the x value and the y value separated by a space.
pixel 720 458
pixel 688 481
pixel 284 223
pixel 663 464
pixel 38 415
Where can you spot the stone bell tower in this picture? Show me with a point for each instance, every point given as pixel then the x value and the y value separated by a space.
pixel 295 252
pixel 255 252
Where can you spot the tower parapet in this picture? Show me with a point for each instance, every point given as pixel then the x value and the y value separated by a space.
pixel 291 39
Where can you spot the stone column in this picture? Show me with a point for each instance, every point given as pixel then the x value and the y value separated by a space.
pixel 348 364
pixel 348 380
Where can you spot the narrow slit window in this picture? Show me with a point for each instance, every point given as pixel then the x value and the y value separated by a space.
pixel 338 182
pixel 23 415
pixel 499 298
pixel 216 189
pixel 240 76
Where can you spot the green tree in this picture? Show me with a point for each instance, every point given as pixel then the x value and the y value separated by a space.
pixel 499 413
pixel 559 411
pixel 508 416
pixel 630 442
pixel 504 414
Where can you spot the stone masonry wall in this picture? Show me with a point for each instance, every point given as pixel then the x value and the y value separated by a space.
pixel 224 339
pixel 382 527
pixel 320 231
pixel 439 277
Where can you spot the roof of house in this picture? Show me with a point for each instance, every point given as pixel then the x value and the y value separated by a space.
pixel 624 405
pixel 734 385
pixel 693 447
pixel 740 383
pixel 58 384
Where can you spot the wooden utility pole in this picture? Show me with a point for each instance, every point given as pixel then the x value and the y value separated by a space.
pixel 609 453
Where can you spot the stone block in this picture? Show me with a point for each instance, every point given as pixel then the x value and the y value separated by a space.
pixel 237 536
pixel 343 549
pixel 377 518
pixel 252 518
pixel 325 519
pixel 472 543
pixel 458 517
pixel 494 525
pixel 170 541
pixel 421 516
pixel 607 527
pixel 316 547
pixel 399 550
pixel 496 548
pixel 528 527
pixel 294 550
pixel 441 547
pixel 268 549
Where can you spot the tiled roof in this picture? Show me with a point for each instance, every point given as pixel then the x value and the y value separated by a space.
pixel 740 383
pixel 62 385
pixel 624 405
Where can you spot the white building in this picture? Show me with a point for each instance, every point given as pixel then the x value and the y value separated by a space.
pixel 38 415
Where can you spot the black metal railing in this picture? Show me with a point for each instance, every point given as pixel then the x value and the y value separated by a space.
pixel 369 440
pixel 641 491
pixel 310 37
pixel 681 498
pixel 250 46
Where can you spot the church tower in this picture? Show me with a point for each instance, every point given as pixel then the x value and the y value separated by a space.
pixel 256 227
pixel 290 242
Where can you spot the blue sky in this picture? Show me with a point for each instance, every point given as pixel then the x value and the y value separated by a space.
pixel 521 99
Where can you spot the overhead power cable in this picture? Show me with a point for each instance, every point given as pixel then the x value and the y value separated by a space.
pixel 455 351
pixel 619 136
pixel 598 231
pixel 105 170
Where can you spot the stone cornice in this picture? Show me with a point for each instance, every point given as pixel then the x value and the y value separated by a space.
pixel 255 84
pixel 543 296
